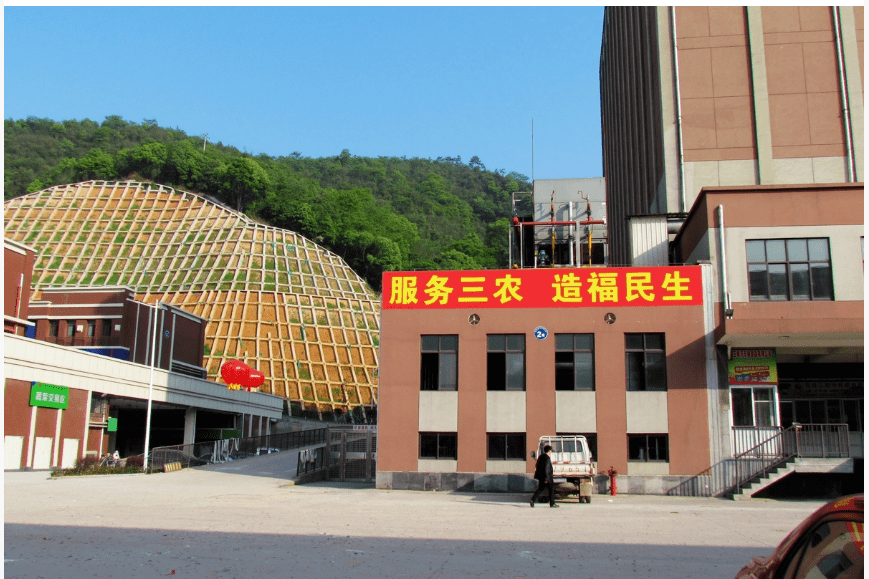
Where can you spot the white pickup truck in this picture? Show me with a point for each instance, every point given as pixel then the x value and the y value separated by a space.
pixel 572 466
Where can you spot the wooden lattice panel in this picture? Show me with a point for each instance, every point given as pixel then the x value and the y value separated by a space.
pixel 273 299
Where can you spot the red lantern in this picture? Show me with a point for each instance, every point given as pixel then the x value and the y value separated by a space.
pixel 234 372
pixel 254 380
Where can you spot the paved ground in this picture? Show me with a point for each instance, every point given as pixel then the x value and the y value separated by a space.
pixel 232 524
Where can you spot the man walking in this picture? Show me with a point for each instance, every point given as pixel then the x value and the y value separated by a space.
pixel 543 474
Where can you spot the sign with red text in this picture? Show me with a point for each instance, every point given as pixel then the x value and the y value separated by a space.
pixel 543 288
pixel 752 366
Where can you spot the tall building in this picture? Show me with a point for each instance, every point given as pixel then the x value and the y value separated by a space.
pixel 724 338
pixel 734 136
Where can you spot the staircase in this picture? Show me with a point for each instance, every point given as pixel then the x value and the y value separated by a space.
pixel 760 482
pixel 799 448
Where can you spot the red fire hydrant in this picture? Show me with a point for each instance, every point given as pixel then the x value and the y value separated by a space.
pixel 612 473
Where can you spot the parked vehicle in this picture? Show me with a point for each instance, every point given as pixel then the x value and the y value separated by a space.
pixel 572 466
pixel 827 545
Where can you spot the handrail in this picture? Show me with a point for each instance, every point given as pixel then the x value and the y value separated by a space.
pixel 216 451
pixel 796 441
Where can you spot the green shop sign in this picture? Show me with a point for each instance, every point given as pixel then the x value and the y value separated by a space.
pixel 750 366
pixel 48 395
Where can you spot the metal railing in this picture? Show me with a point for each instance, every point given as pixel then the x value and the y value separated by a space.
pixel 219 451
pixel 770 450
pixel 86 341
pixel 797 441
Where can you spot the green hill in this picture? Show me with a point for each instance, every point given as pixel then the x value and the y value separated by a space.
pixel 379 214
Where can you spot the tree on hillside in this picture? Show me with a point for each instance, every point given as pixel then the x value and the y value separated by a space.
pixel 379 214
pixel 244 181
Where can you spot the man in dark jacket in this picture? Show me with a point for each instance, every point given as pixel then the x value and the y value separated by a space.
pixel 543 474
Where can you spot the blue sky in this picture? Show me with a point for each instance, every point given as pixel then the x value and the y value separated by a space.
pixel 391 81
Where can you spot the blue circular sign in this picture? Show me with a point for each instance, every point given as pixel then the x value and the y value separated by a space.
pixel 540 333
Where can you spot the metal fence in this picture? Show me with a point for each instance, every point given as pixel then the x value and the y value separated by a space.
pixel 768 453
pixel 352 455
pixel 219 451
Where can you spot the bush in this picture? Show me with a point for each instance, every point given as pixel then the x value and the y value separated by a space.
pixel 90 464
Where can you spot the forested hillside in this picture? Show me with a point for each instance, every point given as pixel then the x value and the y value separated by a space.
pixel 379 214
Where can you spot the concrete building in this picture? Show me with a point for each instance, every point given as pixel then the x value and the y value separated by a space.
pixel 734 136
pixel 78 377
pixel 477 366
pixel 733 167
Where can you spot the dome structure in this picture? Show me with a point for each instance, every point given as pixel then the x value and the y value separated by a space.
pixel 273 299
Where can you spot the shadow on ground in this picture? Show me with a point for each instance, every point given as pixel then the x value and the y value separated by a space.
pixel 33 551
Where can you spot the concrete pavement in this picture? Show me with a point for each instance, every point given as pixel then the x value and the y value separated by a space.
pixel 199 523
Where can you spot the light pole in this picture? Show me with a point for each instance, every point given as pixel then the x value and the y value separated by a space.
pixel 151 384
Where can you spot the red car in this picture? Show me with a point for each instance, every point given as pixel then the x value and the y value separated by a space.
pixel 827 545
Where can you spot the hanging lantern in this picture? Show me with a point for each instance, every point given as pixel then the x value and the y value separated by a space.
pixel 233 373
pixel 254 380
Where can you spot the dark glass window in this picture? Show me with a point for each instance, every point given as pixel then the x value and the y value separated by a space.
pixel 645 362
pixel 53 326
pixel 107 328
pixel 92 328
pixel 70 328
pixel 752 406
pixel 439 445
pixel 506 446
pixel 505 362
pixel 648 447
pixel 439 363
pixel 574 361
pixel 789 269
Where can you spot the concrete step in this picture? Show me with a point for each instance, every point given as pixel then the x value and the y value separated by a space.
pixel 745 493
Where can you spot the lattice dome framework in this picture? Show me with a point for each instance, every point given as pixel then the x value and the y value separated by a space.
pixel 273 299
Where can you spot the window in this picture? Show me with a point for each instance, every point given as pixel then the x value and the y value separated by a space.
pixel 506 446
pixel 70 328
pixel 53 326
pixel 753 406
pixel 830 550
pixel 823 411
pixel 505 362
pixel 438 445
pixel 646 362
pixel 440 362
pixel 92 328
pixel 107 328
pixel 789 269
pixel 648 447
pixel 574 361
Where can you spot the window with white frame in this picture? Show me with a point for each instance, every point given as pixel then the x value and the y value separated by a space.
pixel 753 406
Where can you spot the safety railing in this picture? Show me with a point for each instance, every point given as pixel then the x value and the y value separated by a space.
pixel 796 441
pixel 219 451
pixel 772 447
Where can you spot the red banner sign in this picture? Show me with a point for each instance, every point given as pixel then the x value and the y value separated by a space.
pixel 543 288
